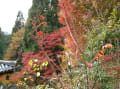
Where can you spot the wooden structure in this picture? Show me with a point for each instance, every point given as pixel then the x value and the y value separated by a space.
pixel 7 66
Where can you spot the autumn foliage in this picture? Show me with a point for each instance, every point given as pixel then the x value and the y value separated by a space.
pixel 82 53
pixel 49 49
pixel 74 34
pixel 14 50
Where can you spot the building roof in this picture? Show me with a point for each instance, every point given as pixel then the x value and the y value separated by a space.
pixel 7 65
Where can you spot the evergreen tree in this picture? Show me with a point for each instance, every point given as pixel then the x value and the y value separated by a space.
pixel 46 8
pixel 4 42
pixel 19 22
pixel 1 43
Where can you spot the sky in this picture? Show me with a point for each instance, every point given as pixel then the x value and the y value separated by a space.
pixel 9 10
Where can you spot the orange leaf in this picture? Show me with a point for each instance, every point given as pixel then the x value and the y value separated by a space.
pixel 107 46
pixel 39 34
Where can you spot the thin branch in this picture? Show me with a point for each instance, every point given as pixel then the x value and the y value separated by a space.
pixel 69 29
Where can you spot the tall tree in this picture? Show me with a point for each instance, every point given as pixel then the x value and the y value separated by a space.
pixel 48 9
pixel 14 50
pixel 4 42
pixel 19 22
pixel 1 43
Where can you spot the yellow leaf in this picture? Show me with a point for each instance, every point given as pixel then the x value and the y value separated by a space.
pixel 30 62
pixel 38 68
pixel 46 63
pixel 35 65
pixel 25 79
pixel 38 74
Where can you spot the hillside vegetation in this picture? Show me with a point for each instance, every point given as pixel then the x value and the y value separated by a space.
pixel 67 44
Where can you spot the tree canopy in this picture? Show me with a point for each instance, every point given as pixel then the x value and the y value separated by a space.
pixel 19 22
